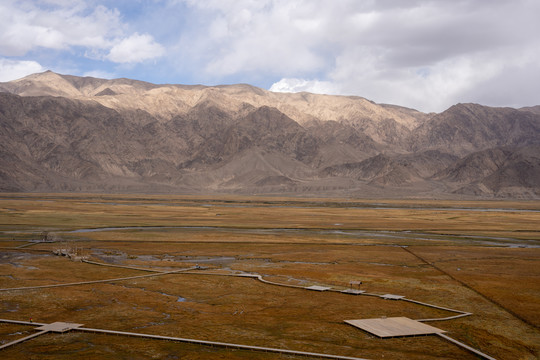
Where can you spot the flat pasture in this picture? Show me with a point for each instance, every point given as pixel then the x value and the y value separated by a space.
pixel 477 257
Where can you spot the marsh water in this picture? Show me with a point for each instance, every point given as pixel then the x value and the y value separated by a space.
pixel 348 233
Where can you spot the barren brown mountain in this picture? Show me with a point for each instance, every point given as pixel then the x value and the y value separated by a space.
pixel 68 133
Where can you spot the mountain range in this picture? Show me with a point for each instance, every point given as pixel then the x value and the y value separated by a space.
pixel 82 134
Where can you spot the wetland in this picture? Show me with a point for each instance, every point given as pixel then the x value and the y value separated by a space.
pixel 478 257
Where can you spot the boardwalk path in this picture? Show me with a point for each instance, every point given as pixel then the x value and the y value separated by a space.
pixel 99 281
pixel 184 340
pixel 230 345
pixel 246 275
pixel 491 300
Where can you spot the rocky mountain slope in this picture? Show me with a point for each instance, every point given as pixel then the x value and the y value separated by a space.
pixel 68 133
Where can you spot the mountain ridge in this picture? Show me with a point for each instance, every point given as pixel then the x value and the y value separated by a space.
pixel 68 133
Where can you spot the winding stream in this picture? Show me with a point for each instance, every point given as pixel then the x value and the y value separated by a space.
pixel 354 234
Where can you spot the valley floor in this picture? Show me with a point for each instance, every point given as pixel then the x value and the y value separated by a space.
pixel 481 258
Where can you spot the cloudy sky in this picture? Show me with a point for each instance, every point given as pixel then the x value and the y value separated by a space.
pixel 424 54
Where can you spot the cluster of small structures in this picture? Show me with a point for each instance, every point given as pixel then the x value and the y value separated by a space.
pixel 68 250
pixel 75 254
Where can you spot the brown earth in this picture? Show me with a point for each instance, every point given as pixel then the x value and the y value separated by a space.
pixel 290 241
pixel 67 133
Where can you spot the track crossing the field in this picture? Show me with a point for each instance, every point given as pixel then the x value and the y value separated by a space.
pixel 197 271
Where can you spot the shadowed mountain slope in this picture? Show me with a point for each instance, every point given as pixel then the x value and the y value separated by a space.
pixel 67 133
pixel 505 172
pixel 465 128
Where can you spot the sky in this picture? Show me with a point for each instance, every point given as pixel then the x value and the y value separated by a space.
pixel 422 54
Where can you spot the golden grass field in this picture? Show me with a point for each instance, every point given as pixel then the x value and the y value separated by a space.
pixel 479 257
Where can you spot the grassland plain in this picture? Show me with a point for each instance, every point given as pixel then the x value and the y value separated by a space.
pixel 479 257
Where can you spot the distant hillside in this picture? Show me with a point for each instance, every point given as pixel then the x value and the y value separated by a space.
pixel 67 133
pixel 465 128
pixel 533 109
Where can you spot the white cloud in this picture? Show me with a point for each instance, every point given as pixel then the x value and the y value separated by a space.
pixel 65 25
pixel 12 69
pixel 272 37
pixel 25 26
pixel 298 85
pixel 426 54
pixel 135 48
